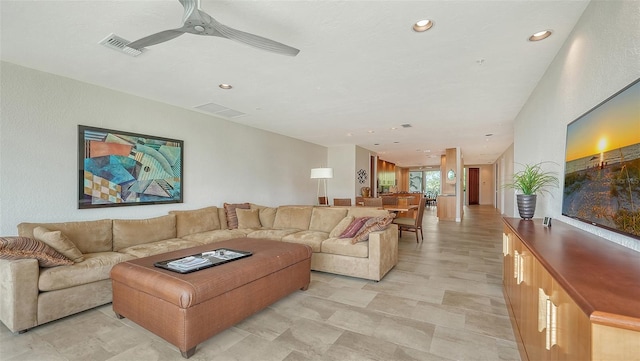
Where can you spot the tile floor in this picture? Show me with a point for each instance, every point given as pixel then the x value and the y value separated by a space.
pixel 443 301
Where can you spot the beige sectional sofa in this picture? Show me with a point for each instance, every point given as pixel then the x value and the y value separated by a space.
pixel 31 295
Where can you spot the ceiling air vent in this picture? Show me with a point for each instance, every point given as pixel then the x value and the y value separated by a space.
pixel 220 110
pixel 115 42
pixel 406 125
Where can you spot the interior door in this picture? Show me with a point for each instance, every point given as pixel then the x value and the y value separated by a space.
pixel 474 186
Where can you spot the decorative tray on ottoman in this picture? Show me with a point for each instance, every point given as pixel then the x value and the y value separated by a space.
pixel 202 260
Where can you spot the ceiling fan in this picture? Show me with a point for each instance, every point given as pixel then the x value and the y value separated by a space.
pixel 196 21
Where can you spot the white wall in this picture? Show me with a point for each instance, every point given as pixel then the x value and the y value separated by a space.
pixel 600 57
pixel 363 161
pixel 346 160
pixel 223 161
pixel 506 197
pixel 342 159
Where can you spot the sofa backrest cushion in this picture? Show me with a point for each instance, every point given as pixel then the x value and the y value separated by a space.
pixel 267 215
pixel 297 217
pixel 88 236
pixel 131 232
pixel 196 221
pixel 325 219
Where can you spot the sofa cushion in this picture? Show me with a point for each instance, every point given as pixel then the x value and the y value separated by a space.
pixel 267 215
pixel 324 219
pixel 312 239
pixel 353 228
pixel 131 232
pixel 297 217
pixel 340 227
pixel 164 246
pixel 95 267
pixel 232 217
pixel 343 246
pixel 196 221
pixel 374 224
pixel 88 236
pixel 58 241
pixel 248 218
pixel 274 234
pixel 215 236
pixel 24 247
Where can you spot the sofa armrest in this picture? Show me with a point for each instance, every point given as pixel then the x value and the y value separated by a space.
pixel 19 293
pixel 383 251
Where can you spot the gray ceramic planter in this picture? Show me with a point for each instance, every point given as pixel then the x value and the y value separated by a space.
pixel 526 205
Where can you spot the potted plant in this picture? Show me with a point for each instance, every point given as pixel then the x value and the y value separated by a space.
pixel 529 181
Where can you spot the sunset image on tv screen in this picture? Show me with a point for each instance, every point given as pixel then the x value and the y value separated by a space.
pixel 602 164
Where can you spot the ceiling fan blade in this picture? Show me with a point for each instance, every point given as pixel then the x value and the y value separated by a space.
pixel 190 6
pixel 254 40
pixel 156 38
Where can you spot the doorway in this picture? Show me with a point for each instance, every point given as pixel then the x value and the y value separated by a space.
pixel 474 186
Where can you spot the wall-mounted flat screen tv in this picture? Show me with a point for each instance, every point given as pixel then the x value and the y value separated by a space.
pixel 602 164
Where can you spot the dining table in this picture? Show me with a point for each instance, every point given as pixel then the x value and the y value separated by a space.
pixel 399 208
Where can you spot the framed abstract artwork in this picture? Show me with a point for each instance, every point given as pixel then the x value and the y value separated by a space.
pixel 117 168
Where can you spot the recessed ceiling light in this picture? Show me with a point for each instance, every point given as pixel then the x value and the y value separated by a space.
pixel 422 25
pixel 225 86
pixel 371 132
pixel 540 35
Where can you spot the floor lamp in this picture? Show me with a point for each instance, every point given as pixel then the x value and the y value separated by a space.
pixel 322 174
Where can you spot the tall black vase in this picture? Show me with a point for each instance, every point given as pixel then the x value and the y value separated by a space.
pixel 526 205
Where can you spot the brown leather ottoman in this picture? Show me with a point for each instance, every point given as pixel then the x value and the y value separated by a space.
pixel 186 309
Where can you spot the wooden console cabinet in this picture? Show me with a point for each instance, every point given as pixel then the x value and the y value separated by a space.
pixel 571 295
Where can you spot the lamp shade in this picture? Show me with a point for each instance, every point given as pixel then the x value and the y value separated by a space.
pixel 321 173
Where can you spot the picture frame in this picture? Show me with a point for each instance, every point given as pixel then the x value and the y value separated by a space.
pixel 119 168
pixel 546 222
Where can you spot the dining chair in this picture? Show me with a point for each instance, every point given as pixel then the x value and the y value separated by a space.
pixel 373 202
pixel 342 201
pixel 390 201
pixel 412 224
pixel 359 201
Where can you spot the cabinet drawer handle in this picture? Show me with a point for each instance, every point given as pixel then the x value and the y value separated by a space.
pixel 516 264
pixel 542 310
pixel 518 267
pixel 505 244
pixel 547 319
pixel 551 336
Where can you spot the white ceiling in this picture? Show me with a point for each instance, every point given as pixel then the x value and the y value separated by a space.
pixel 361 68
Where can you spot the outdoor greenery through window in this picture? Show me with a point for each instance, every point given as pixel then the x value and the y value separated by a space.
pixel 427 182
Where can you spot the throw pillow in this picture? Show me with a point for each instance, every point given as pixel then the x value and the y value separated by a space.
pixel 58 241
pixel 372 225
pixel 248 218
pixel 24 247
pixel 341 226
pixel 232 217
pixel 354 227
